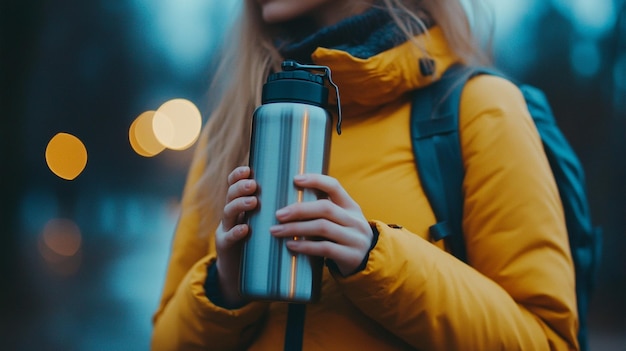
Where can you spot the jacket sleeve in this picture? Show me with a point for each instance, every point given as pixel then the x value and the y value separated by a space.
pixel 517 293
pixel 189 321
pixel 185 318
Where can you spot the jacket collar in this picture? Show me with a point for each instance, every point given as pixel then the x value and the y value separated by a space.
pixel 370 59
pixel 386 76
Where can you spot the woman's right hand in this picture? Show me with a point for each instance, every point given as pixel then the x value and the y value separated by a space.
pixel 231 231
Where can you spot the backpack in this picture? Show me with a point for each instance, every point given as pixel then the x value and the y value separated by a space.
pixel 437 150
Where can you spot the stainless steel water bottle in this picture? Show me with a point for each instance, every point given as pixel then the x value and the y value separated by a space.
pixel 291 134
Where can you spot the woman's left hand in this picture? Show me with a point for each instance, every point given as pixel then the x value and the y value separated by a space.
pixel 334 228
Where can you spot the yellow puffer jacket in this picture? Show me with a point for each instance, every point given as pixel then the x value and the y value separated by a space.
pixel 518 293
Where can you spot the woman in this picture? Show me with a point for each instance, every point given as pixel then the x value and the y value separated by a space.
pixel 391 287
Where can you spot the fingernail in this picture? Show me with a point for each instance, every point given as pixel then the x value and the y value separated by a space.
pixel 292 244
pixel 282 212
pixel 299 177
pixel 239 231
pixel 276 228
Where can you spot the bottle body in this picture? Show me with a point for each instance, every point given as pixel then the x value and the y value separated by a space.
pixel 287 139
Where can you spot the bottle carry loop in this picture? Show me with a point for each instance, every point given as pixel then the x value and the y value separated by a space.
pixel 291 65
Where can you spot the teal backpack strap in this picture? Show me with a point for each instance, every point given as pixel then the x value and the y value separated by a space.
pixel 437 150
pixel 439 161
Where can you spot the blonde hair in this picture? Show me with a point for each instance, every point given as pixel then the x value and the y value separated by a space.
pixel 243 69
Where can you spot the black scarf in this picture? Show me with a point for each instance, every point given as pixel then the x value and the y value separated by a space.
pixel 362 36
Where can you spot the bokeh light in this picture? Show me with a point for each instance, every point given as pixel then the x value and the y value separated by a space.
pixel 585 58
pixel 60 245
pixel 177 124
pixel 141 136
pixel 174 125
pixel 62 236
pixel 66 156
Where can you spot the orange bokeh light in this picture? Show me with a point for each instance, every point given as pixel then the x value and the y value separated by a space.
pixel 175 125
pixel 62 236
pixel 66 156
pixel 141 136
pixel 60 246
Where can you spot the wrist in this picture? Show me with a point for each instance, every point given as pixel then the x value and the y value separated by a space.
pixel 333 265
pixel 221 290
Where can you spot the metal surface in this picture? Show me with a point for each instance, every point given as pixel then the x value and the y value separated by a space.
pixel 287 139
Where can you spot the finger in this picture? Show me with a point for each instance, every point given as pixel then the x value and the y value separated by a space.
pixel 323 230
pixel 326 209
pixel 234 209
pixel 328 185
pixel 315 229
pixel 242 187
pixel 233 236
pixel 342 255
pixel 238 174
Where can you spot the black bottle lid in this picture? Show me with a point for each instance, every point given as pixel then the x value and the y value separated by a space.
pixel 295 86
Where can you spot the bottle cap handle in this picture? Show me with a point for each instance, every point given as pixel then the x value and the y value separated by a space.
pixel 290 65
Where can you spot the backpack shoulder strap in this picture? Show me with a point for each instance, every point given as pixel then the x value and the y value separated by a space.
pixel 437 152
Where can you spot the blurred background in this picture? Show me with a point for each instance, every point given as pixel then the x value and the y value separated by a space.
pixel 82 261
